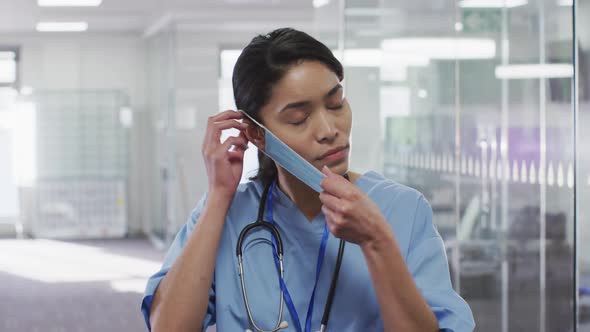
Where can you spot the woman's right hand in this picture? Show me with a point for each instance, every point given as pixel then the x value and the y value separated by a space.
pixel 224 167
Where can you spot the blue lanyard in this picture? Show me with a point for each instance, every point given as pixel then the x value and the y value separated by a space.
pixel 284 289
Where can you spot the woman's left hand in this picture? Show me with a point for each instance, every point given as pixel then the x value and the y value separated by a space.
pixel 350 214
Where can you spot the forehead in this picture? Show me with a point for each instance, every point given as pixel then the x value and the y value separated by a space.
pixel 304 81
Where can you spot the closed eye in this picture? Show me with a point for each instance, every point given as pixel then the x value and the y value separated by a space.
pixel 335 103
pixel 299 122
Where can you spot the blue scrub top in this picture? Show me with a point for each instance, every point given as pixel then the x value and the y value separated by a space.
pixel 355 306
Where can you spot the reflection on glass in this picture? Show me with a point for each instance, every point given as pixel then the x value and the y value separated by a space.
pixel 474 100
pixel 583 164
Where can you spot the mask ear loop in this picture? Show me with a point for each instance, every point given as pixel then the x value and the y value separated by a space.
pixel 258 124
pixel 286 160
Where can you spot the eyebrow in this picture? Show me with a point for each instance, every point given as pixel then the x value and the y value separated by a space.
pixel 299 104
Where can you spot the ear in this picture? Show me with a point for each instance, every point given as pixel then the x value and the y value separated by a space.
pixel 254 134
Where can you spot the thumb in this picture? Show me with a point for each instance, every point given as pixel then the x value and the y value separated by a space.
pixel 326 170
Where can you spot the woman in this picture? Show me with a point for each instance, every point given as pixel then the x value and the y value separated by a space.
pixel 394 274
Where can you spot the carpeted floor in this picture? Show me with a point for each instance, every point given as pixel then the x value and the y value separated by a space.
pixel 74 286
pixel 92 286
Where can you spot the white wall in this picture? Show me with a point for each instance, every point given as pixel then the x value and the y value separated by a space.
pixel 8 197
pixel 82 61
pixel 92 61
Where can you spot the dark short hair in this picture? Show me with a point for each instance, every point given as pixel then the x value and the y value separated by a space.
pixel 263 63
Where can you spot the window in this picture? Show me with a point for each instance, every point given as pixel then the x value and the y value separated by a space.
pixel 9 57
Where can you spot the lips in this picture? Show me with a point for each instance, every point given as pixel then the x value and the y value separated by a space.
pixel 333 151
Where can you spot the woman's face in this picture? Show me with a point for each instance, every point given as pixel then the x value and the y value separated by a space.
pixel 308 111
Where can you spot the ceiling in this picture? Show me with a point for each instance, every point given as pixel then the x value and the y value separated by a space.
pixel 366 21
pixel 140 15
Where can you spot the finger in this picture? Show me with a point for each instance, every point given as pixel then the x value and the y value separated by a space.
pixel 330 201
pixel 331 221
pixel 228 124
pixel 243 138
pixel 234 140
pixel 236 155
pixel 334 215
pixel 214 129
pixel 328 213
pixel 225 115
pixel 338 186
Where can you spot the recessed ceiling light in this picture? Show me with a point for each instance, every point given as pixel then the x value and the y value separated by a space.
pixel 62 26
pixel 375 57
pixel 442 48
pixel 320 3
pixel 491 3
pixel 531 71
pixel 69 3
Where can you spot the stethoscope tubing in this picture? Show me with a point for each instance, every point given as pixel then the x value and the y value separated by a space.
pixel 271 228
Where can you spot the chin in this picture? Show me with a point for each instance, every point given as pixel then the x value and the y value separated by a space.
pixel 340 168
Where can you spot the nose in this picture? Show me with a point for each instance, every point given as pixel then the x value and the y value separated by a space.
pixel 326 128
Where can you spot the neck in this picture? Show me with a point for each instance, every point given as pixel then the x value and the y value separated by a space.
pixel 305 198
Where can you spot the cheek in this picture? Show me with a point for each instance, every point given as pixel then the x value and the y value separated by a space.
pixel 296 140
pixel 345 121
pixel 302 145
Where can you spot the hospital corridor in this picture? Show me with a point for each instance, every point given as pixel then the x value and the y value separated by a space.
pixel 454 134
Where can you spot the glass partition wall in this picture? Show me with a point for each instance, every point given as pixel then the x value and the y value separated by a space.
pixel 160 59
pixel 475 105
pixel 581 116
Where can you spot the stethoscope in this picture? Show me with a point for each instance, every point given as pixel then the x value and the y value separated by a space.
pixel 278 251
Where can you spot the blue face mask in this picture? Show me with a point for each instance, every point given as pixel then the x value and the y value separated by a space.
pixel 283 155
